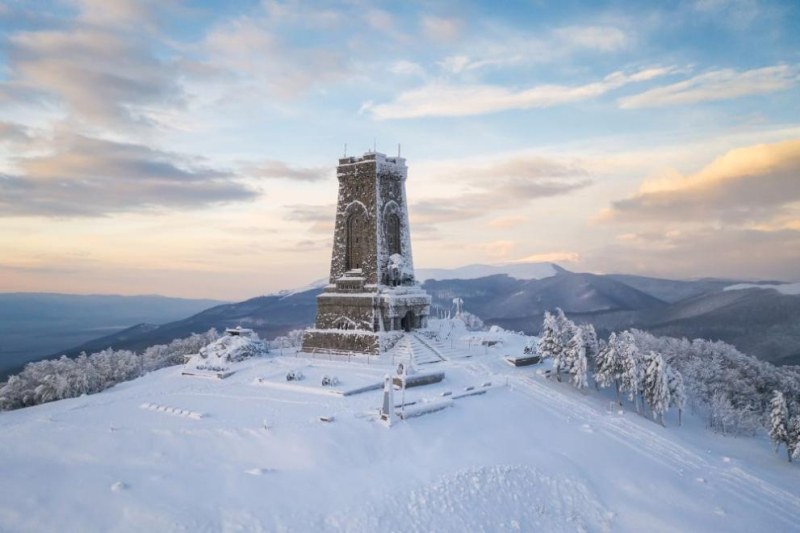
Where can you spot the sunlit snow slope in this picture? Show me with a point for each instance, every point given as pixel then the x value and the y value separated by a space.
pixel 169 452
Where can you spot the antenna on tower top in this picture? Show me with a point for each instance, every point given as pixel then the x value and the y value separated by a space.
pixel 398 149
pixel 345 150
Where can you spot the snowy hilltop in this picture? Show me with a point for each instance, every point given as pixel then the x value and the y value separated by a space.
pixel 294 442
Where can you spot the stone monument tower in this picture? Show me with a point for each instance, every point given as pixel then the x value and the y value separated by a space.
pixel 372 290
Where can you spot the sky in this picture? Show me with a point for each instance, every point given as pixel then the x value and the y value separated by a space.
pixel 188 148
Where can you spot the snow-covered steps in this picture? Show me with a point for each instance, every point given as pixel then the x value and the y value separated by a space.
pixel 444 350
pixel 413 347
pixel 172 410
pixel 424 352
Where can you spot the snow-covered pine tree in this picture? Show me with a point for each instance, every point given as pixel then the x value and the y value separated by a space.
pixel 722 414
pixel 591 343
pixel 575 359
pixel 656 386
pixel 794 437
pixel 608 365
pixel 564 326
pixel 779 422
pixel 632 372
pixel 677 391
pixel 549 340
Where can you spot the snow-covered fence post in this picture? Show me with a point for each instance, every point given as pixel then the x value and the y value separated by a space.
pixel 402 370
pixel 387 411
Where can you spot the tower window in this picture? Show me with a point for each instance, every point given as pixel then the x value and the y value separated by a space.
pixel 355 229
pixel 393 233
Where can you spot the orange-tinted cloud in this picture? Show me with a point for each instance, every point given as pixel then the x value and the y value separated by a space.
pixel 746 184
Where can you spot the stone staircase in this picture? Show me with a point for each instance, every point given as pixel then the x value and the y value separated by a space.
pixel 420 350
pixel 444 349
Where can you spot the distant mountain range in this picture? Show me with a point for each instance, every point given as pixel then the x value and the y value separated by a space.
pixel 758 318
pixel 34 325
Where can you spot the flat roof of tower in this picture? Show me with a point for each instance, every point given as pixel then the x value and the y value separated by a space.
pixel 372 156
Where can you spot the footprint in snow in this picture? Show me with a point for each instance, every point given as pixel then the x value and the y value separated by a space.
pixel 258 471
pixel 119 486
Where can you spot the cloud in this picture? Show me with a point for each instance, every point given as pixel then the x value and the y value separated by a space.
pixel 406 68
pixel 551 257
pixel 736 13
pixel 321 217
pixel 744 185
pixel 272 169
pixel 443 100
pixel 118 12
pixel 506 222
pixel 84 176
pixel 13 133
pixel 495 249
pixel 441 28
pixel 492 186
pixel 99 65
pixel 734 253
pixel 252 49
pixel 443 210
pixel 599 38
pixel 504 47
pixel 723 84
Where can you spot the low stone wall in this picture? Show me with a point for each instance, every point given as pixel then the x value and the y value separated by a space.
pixel 359 308
pixel 358 341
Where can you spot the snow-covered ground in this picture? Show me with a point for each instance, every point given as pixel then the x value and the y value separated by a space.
pixel 168 452
pixel 783 288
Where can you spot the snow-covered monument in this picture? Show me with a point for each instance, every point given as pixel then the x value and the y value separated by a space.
pixel 372 290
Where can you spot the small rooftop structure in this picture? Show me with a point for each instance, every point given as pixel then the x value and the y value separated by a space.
pixel 239 331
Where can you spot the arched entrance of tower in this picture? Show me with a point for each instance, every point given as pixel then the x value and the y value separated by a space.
pixel 408 322
pixel 356 231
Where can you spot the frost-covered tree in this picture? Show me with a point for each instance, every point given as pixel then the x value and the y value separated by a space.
pixel 794 437
pixel 473 322
pixel 779 423
pixel 632 371
pixel 56 379
pixel 549 339
pixel 574 359
pixel 608 365
pixel 655 389
pixel 591 343
pixel 565 327
pixel 722 413
pixel 677 391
